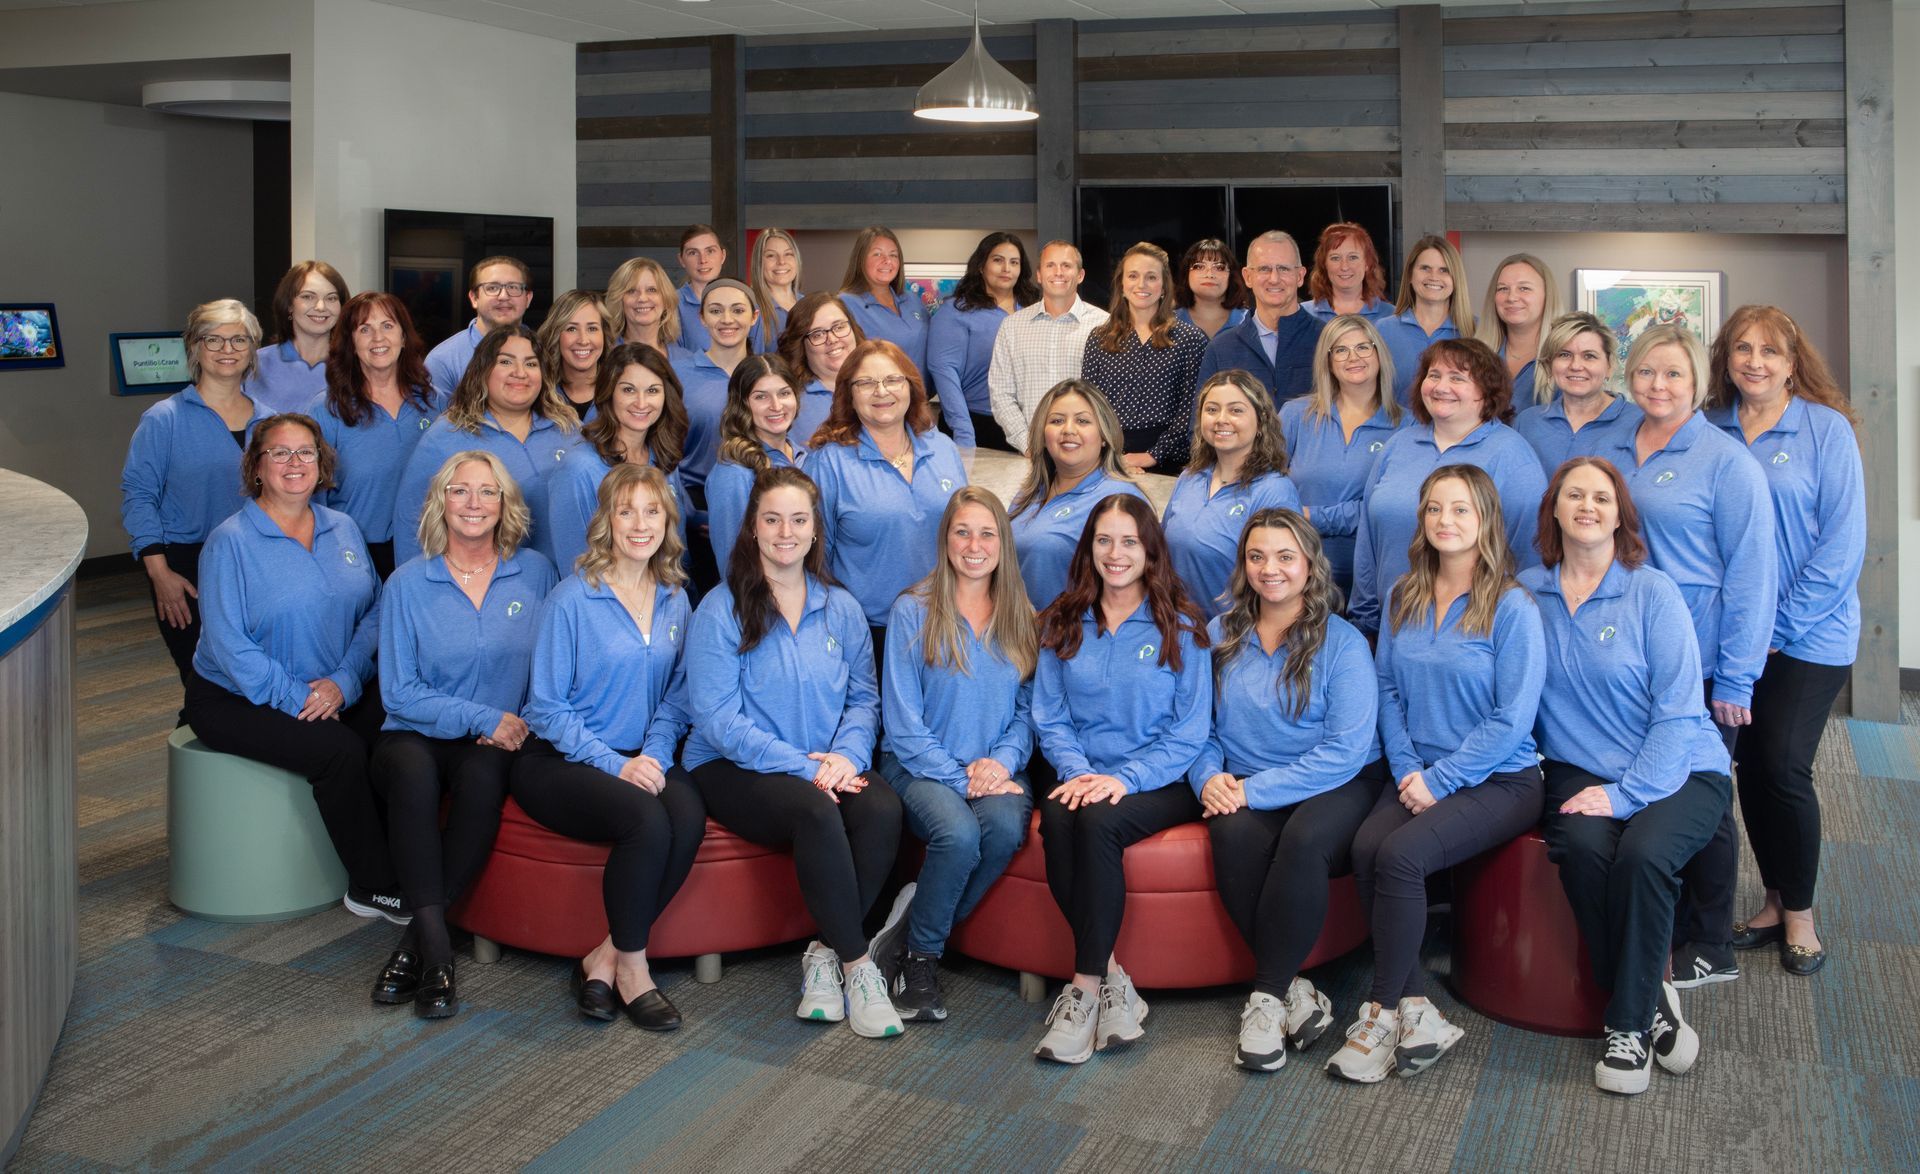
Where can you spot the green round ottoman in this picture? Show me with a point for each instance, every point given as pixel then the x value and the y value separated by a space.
pixel 244 839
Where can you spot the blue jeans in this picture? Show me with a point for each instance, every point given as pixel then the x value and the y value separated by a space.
pixel 969 842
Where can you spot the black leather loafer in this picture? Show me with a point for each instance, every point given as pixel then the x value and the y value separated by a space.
pixel 436 998
pixel 653 1011
pixel 1752 937
pixel 1801 960
pixel 596 999
pixel 399 979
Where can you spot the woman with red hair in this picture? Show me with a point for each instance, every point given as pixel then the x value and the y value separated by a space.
pixel 1347 277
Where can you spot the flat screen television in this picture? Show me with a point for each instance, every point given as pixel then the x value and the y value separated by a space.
pixel 428 254
pixel 149 362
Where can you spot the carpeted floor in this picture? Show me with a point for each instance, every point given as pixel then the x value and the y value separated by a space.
pixel 193 1044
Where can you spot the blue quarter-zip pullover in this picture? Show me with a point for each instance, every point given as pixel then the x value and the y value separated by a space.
pixel 447 362
pixel 881 529
pixel 1323 311
pixel 703 387
pixel 816 403
pixel 1406 341
pixel 729 489
pixel 693 332
pixel 1545 427
pixel 1203 528
pixel 939 719
pixel 530 463
pixel 282 381
pixel 905 326
pixel 182 474
pixel 447 668
pixel 1046 532
pixel 601 688
pixel 372 456
pixel 959 351
pixel 1330 472
pixel 573 494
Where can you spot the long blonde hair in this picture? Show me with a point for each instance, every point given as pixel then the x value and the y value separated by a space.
pixel 616 489
pixel 1037 489
pixel 1012 628
pixel 1460 303
pixel 1493 572
pixel 769 324
pixel 1325 388
pixel 515 519
pixel 625 280
pixel 1319 599
pixel 1492 329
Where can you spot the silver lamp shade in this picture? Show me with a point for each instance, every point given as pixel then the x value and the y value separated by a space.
pixel 976 88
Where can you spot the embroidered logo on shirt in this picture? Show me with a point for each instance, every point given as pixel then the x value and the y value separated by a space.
pixel 946 485
pixel 560 455
pixel 1063 513
pixel 513 609
pixel 1664 477
pixel 1376 446
pixel 832 644
pixel 673 633
pixel 425 424
pixel 348 555
pixel 1146 650
pixel 1236 511
pixel 1781 458
pixel 1607 633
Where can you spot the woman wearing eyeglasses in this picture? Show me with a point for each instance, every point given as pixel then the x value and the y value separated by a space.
pixel 457 627
pixel 998 281
pixel 178 482
pixel 292 368
pixel 818 338
pixel 284 670
pixel 885 474
pixel 1207 290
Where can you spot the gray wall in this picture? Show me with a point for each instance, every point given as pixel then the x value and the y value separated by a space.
pixel 125 221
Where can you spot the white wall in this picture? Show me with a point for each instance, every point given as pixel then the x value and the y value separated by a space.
pixel 1906 135
pixel 412 110
pixel 131 220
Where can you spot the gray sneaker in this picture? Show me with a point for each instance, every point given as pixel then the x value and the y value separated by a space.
pixel 1263 1034
pixel 1309 1014
pixel 822 995
pixel 869 1011
pixel 1425 1036
pixel 1069 1038
pixel 1122 1011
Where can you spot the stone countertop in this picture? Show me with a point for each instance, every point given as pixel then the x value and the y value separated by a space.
pixel 45 536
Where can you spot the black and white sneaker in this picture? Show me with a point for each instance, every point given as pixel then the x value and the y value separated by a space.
pixel 1675 1044
pixel 888 949
pixel 1627 1065
pixel 919 999
pixel 367 903
pixel 1697 964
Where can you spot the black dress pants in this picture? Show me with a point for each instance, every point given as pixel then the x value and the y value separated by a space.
pixel 1791 703
pixel 1084 869
pixel 411 771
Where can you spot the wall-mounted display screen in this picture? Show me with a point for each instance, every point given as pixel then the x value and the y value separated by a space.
pixel 149 362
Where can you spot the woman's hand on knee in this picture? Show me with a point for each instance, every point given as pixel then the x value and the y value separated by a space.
pixel 986 776
pixel 836 773
pixel 1086 790
pixel 510 733
pixel 1592 801
pixel 644 772
pixel 1414 795
pixel 1222 795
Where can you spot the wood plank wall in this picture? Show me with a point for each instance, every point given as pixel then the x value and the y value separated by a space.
pixel 1659 115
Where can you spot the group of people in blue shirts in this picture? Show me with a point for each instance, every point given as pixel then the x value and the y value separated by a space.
pixel 1383 624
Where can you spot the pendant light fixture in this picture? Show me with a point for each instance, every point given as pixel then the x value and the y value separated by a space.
pixel 976 88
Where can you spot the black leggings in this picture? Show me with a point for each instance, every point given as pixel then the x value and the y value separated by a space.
pixel 183 558
pixel 1272 869
pixel 654 837
pixel 410 771
pixel 842 851
pixel 1791 703
pixel 1395 851
pixel 332 755
pixel 1622 878
pixel 1708 882
pixel 1084 869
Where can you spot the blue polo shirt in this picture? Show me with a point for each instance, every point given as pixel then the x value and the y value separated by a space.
pixel 372 455
pixel 882 530
pixel 1323 310
pixel 905 326
pixel 1708 523
pixel 1114 709
pixel 1281 759
pixel 703 386
pixel 1545 427
pixel 1203 528
pixel 1046 532
pixel 601 688
pixel 1330 472
pixel 1461 707
pixel 1286 374
pixel 1234 317
pixel 447 362
pixel 529 462
pixel 282 381
pixel 798 691
pixel 449 669
pixel 1811 461
pixel 182 473
pixel 275 615
pixel 573 496
pixel 1622 699
pixel 816 402
pixel 959 351
pixel 1390 509
pixel 939 719
pixel 729 488
pixel 1405 344
pixel 693 332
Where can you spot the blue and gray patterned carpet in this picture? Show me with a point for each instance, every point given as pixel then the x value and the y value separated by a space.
pixel 191 1044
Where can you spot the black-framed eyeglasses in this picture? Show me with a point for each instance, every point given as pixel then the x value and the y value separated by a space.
pixel 819 335
pixel 512 289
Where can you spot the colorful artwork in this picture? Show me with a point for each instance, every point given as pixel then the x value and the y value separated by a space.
pixel 29 337
pixel 933 284
pixel 1633 301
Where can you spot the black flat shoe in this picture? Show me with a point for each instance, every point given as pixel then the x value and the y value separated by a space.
pixel 436 998
pixel 1752 937
pixel 1801 960
pixel 399 979
pixel 653 1011
pixel 596 999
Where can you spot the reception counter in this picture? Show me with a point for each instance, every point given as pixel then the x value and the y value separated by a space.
pixel 46 534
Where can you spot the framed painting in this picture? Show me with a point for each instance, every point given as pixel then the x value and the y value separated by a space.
pixel 29 336
pixel 933 284
pixel 1631 301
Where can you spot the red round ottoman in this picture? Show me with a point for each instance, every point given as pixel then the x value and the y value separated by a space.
pixel 1518 957
pixel 1175 933
pixel 540 891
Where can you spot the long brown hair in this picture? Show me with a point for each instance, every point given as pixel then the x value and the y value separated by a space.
pixel 971 292
pixel 551 336
pixel 1494 569
pixel 739 441
pixel 1012 628
pixel 1629 549
pixel 753 604
pixel 469 405
pixel 1812 380
pixel 1269 452
pixel 667 439
pixel 1325 390
pixel 842 425
pixel 1459 303
pixel 855 280
pixel 1372 288
pixel 1037 489
pixel 289 289
pixel 616 489
pixel 793 340
pixel 1118 328
pixel 1174 611
pixel 1319 598
pixel 347 383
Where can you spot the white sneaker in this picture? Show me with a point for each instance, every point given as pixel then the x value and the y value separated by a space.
pixel 1309 1014
pixel 869 1011
pixel 1263 1034
pixel 1122 1011
pixel 1676 1045
pixel 822 994
pixel 1069 1038
pixel 1367 1056
pixel 1425 1035
pixel 1625 1067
